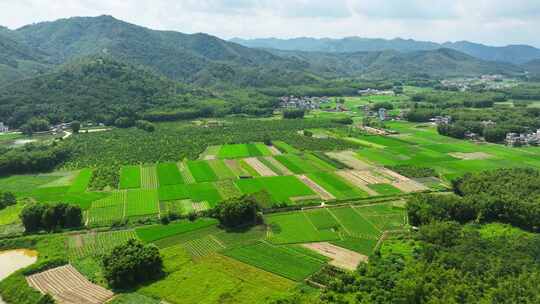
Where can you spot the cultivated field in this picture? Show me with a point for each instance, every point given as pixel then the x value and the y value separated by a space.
pixel 68 286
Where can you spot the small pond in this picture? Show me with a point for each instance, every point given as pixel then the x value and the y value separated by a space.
pixel 13 260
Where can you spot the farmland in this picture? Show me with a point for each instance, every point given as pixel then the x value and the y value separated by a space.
pixel 341 199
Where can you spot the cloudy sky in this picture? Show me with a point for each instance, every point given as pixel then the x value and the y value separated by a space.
pixel 496 22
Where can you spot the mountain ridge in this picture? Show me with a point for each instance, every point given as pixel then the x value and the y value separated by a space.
pixel 514 53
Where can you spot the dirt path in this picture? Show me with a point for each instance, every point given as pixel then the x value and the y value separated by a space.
pixel 325 195
pixel 341 257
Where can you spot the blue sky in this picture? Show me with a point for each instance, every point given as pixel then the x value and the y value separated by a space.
pixel 495 22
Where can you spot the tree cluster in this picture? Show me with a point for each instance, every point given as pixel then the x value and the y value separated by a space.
pixel 507 195
pixel 32 158
pixel 237 212
pixel 7 199
pixel 132 264
pixel 37 217
pixel 293 113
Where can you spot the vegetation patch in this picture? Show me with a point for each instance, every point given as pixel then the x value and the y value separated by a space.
pixel 201 171
pixel 168 174
pixel 130 177
pixel 153 233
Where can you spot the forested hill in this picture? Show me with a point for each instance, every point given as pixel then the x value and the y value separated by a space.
pixel 438 63
pixel 197 58
pixel 100 89
pixel 205 60
pixel 516 54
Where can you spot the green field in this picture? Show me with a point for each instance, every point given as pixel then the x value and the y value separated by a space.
pixel 214 279
pixel 322 219
pixel 221 169
pixel 153 233
pixel 168 174
pixel 243 150
pixel 280 188
pixel 295 227
pixel 354 224
pixel 280 260
pixel 142 202
pixel 81 181
pixel 303 163
pixel 336 185
pixel 385 189
pixel 285 147
pixel 130 177
pixel 173 192
pixel 149 179
pixel 204 192
pixel 95 244
pixel 201 171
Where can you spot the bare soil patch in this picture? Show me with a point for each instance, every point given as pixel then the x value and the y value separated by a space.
pixel 259 167
pixel 278 165
pixel 341 257
pixel 470 156
pixel 68 286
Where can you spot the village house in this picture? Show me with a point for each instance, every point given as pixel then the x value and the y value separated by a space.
pixel 369 91
pixel 522 139
pixel 305 102
pixel 439 120
pixel 3 128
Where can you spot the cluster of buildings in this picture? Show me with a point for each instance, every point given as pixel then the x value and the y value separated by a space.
pixel 3 128
pixel 369 91
pixel 522 139
pixel 304 102
pixel 484 81
pixel 441 120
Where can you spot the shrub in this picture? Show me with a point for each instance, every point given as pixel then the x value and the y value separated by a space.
pixel 237 212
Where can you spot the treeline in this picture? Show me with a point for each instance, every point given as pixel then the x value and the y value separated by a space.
pixel 32 158
pixel 37 217
pixel 446 99
pixel 508 195
pixel 493 124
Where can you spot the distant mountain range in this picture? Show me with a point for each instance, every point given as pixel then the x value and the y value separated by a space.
pixel 516 54
pixel 205 60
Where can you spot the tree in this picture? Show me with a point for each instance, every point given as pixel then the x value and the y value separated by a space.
pixel 7 199
pixel 37 217
pixel 131 264
pixel 31 217
pixel 292 114
pixel 237 212
pixel 75 126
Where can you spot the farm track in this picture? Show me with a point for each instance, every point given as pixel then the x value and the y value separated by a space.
pixel 68 286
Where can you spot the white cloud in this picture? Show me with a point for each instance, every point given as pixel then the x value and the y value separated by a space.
pixel 488 21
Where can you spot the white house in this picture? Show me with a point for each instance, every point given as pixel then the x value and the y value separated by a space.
pixel 3 128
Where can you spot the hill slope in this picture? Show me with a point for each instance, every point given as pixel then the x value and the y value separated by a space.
pixel 433 63
pixel 197 58
pixel 516 54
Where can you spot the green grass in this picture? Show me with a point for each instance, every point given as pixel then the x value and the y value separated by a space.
pixel 142 202
pixel 283 261
pixel 168 174
pixel 214 279
pixel 247 168
pixel 336 185
pixel 173 192
pixel 81 181
pixel 153 233
pixel 105 216
pixel 227 189
pixel 385 189
pixel 182 207
pixel 202 246
pixel 130 177
pixel 181 238
pixel 24 184
pixel 201 171
pixel 10 214
pixel 280 188
pixel 295 227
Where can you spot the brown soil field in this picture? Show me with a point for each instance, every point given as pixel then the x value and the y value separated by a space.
pixel 278 165
pixel 68 286
pixel 259 167
pixel 341 257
